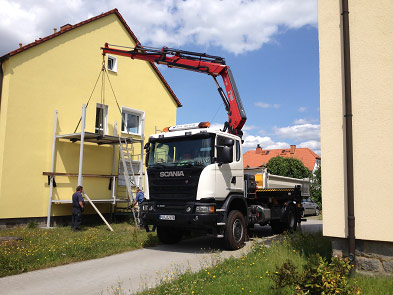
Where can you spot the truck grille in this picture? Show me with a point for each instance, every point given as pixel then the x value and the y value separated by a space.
pixel 168 186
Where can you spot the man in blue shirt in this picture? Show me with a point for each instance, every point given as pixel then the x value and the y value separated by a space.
pixel 78 205
pixel 140 197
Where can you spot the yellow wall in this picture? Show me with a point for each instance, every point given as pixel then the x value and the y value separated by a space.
pixel 59 74
pixel 371 35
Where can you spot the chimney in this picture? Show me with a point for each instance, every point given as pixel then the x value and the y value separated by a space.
pixel 20 45
pixel 54 30
pixel 258 149
pixel 65 27
pixel 293 148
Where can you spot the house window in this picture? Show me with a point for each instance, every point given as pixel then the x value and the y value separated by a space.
pixel 101 125
pixel 131 121
pixel 112 63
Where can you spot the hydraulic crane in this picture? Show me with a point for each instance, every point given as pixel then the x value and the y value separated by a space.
pixel 197 62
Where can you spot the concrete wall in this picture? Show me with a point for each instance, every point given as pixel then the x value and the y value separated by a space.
pixel 59 74
pixel 371 35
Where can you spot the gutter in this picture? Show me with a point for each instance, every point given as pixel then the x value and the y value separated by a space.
pixel 3 58
pixel 348 131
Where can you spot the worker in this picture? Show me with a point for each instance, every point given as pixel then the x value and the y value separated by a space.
pixel 140 197
pixel 78 206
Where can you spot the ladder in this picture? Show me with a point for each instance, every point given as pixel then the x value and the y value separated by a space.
pixel 130 180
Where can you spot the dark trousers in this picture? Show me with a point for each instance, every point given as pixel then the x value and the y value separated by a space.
pixel 76 218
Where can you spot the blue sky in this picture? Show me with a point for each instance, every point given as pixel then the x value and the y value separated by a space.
pixel 270 45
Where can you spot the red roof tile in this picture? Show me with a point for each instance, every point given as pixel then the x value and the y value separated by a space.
pixel 67 28
pixel 259 157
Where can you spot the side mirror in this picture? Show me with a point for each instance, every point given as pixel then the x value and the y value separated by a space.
pixel 224 154
pixel 225 141
pixel 147 148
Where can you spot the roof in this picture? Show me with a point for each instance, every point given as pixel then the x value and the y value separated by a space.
pixel 66 28
pixel 258 157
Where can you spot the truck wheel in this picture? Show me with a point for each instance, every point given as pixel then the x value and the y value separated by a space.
pixel 169 235
pixel 235 230
pixel 276 226
pixel 290 219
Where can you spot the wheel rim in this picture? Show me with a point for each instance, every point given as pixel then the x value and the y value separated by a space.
pixel 317 212
pixel 237 230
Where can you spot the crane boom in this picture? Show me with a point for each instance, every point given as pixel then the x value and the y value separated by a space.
pixel 197 62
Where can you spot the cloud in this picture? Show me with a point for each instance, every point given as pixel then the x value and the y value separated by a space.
pixel 301 121
pixel 313 145
pixel 266 105
pixel 302 132
pixel 302 109
pixel 237 26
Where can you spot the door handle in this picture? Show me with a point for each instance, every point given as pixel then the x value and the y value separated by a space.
pixel 233 180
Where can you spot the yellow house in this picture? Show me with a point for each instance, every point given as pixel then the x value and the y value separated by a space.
pixel 57 75
pixel 356 65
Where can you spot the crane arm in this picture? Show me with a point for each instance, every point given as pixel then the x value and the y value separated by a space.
pixel 197 62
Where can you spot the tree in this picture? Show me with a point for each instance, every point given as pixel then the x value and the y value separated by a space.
pixel 316 187
pixel 289 167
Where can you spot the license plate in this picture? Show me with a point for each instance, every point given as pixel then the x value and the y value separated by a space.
pixel 167 217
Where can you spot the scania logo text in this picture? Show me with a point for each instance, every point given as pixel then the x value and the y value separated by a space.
pixel 171 173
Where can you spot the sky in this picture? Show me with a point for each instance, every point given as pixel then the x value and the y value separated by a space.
pixel 271 47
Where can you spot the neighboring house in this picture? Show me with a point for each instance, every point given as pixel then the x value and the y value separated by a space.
pixel 371 67
pixel 58 72
pixel 260 157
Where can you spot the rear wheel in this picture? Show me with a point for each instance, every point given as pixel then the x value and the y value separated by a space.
pixel 290 219
pixel 169 235
pixel 235 230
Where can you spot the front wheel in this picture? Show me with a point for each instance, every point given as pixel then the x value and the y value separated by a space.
pixel 235 230
pixel 169 235
pixel 317 212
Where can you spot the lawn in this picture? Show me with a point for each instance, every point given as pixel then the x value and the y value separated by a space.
pixel 257 272
pixel 42 248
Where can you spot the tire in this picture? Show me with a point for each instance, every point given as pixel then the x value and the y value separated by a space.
pixel 169 235
pixel 290 223
pixel 316 211
pixel 235 230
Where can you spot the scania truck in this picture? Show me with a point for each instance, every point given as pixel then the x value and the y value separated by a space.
pixel 195 181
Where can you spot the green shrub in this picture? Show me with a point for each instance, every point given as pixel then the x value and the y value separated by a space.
pixel 317 277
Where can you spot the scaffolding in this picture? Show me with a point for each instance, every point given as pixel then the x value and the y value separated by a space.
pixel 115 178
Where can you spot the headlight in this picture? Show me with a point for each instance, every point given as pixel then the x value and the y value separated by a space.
pixel 204 209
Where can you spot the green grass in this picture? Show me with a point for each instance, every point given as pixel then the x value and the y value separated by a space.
pixel 42 248
pixel 380 285
pixel 252 274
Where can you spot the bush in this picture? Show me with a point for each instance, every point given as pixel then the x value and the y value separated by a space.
pixel 32 225
pixel 317 277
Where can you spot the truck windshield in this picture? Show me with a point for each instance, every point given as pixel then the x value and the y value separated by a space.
pixel 181 152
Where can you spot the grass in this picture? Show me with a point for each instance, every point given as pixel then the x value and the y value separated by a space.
pixel 42 248
pixel 252 274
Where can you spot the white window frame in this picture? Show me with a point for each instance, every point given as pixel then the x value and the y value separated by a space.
pixel 114 63
pixel 105 123
pixel 135 112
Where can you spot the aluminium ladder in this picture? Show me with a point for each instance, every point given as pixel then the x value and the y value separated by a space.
pixel 130 180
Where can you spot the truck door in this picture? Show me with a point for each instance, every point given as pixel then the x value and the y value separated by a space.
pixel 229 176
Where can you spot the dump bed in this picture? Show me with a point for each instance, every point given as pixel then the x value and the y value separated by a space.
pixel 266 181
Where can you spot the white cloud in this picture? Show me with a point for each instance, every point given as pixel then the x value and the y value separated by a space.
pixel 302 132
pixel 301 121
pixel 266 142
pixel 302 109
pixel 236 26
pixel 266 105
pixel 313 145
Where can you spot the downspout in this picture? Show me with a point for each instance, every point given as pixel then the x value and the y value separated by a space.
pixel 348 131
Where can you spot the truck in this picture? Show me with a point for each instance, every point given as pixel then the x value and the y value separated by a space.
pixel 195 181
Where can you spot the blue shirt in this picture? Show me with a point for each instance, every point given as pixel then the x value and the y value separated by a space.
pixel 140 197
pixel 76 198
